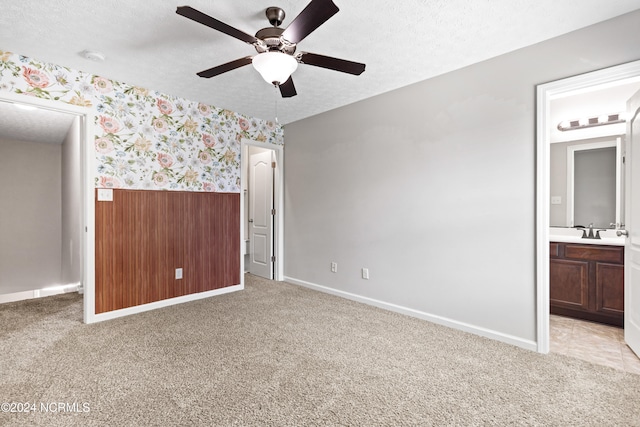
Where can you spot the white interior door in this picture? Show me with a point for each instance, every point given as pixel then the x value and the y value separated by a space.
pixel 260 213
pixel 632 219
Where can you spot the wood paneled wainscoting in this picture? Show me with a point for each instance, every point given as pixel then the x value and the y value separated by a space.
pixel 142 237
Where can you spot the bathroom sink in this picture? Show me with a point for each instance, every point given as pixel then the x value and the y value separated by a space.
pixel 574 235
pixel 611 237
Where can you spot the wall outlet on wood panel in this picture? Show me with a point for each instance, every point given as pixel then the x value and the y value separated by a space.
pixel 178 273
pixel 105 195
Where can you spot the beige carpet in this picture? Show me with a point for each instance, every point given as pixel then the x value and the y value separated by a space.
pixel 281 355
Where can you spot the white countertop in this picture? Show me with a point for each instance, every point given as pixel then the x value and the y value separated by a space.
pixel 572 235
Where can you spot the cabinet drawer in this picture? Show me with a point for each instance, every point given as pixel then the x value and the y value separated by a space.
pixel 605 254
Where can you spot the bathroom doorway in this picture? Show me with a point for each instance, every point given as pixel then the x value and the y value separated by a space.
pixel 262 209
pixel 581 100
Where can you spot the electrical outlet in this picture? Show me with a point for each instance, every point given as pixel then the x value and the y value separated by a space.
pixel 365 273
pixel 334 267
pixel 178 273
pixel 105 195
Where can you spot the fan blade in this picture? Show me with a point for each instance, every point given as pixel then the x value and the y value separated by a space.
pixel 287 89
pixel 332 63
pixel 225 67
pixel 315 14
pixel 196 15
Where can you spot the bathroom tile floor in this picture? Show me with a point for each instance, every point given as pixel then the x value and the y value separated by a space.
pixel 593 342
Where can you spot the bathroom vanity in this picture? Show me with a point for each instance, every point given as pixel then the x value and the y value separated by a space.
pixel 587 278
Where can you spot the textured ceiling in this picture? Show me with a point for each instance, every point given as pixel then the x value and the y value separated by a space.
pixel 33 125
pixel 147 44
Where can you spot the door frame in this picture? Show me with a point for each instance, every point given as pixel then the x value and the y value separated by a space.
pixel 278 195
pixel 87 155
pixel 544 94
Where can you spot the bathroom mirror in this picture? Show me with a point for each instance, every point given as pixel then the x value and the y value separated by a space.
pixel 587 183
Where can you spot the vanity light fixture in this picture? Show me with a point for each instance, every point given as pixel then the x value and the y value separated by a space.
pixel 588 122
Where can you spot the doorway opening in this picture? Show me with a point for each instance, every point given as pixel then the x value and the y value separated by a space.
pixel 262 234
pixel 74 204
pixel 562 92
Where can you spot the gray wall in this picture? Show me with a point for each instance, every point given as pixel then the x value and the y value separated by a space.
pixel 72 206
pixel 432 186
pixel 30 216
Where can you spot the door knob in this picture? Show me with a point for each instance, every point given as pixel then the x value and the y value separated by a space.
pixel 622 233
pixel 250 220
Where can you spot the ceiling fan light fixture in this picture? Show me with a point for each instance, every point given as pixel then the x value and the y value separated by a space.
pixel 275 67
pixel 276 59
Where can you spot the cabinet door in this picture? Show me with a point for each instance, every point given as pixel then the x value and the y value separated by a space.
pixel 569 283
pixel 610 288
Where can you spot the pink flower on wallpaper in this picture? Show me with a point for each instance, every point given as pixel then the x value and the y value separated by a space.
pixel 160 125
pixel 204 109
pixel 104 145
pixel 109 124
pixel 102 85
pixel 165 160
pixel 207 186
pixel 164 106
pixel 204 157
pixel 208 140
pixel 35 78
pixel 244 124
pixel 109 182
pixel 160 179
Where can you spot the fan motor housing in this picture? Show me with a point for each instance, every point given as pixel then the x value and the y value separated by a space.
pixel 273 41
pixel 275 15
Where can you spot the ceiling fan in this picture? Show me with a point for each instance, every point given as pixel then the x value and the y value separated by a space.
pixel 277 58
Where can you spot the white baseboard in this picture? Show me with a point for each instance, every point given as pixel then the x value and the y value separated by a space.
pixel 163 303
pixel 477 330
pixel 39 293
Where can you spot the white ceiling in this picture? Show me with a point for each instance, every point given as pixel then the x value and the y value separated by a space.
pixel 17 123
pixel 147 44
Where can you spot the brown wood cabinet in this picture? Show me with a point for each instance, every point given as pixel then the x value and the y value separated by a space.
pixel 587 282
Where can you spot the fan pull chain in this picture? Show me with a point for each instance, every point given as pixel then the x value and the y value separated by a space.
pixel 276 102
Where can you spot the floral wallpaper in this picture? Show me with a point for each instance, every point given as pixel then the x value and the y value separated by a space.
pixel 145 139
